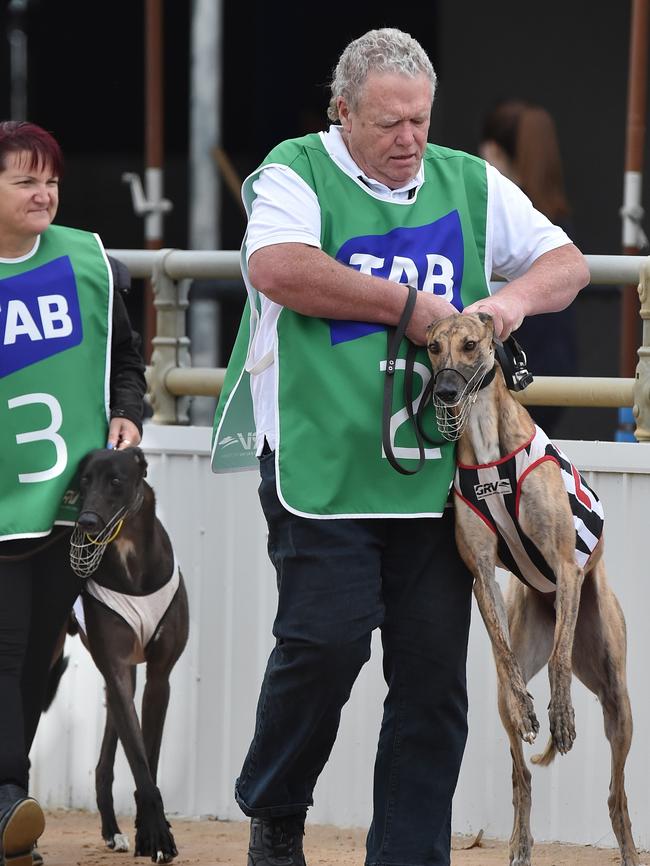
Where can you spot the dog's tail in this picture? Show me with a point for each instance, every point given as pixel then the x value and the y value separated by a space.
pixel 56 673
pixel 546 756
pixel 59 665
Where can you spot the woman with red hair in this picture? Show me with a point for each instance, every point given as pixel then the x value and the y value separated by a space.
pixel 71 379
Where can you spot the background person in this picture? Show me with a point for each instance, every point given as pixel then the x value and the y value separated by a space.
pixel 339 222
pixel 71 379
pixel 520 140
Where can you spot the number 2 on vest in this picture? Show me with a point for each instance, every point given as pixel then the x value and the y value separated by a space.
pixel 397 419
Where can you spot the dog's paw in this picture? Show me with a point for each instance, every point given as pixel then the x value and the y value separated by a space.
pixel 562 722
pixel 117 842
pixel 520 849
pixel 524 718
pixel 153 835
pixel 160 846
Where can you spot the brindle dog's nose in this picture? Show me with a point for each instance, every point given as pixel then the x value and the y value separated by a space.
pixel 447 386
pixel 446 394
pixel 90 522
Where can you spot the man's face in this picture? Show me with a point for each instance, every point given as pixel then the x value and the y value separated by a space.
pixel 387 132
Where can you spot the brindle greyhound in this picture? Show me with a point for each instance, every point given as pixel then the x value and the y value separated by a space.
pixel 580 626
pixel 138 562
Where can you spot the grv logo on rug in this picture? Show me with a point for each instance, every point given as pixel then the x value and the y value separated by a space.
pixel 490 488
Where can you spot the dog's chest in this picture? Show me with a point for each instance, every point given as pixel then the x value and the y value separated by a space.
pixel 125 551
pixel 143 613
pixel 480 444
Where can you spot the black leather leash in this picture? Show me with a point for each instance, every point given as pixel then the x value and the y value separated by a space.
pixel 395 337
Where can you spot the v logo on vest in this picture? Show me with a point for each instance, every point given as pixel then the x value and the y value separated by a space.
pixel 429 257
pixel 39 315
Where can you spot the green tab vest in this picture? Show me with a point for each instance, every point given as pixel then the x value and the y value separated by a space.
pixel 330 373
pixel 55 327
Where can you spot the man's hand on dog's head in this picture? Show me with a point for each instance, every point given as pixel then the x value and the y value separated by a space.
pixel 507 313
pixel 122 433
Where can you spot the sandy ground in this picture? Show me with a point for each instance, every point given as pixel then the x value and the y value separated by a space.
pixel 73 839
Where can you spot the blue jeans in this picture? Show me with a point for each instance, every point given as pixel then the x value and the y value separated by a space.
pixel 337 581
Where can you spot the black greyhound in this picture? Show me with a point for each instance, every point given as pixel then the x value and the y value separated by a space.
pixel 124 550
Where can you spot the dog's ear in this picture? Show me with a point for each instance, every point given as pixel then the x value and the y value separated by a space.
pixel 140 459
pixel 485 318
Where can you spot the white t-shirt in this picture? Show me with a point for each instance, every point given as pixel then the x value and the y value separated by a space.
pixel 286 210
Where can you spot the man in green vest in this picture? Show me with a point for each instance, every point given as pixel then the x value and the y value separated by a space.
pixel 340 224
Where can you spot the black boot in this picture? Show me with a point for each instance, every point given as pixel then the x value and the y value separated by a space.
pixel 21 823
pixel 277 841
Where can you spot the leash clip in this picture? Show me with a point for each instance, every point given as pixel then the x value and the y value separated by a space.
pixel 514 364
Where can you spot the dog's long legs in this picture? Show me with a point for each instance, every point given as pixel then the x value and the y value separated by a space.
pixel 599 663
pixel 567 602
pixel 152 837
pixel 545 517
pixel 531 624
pixel 162 653
pixel 154 710
pixel 517 703
pixel 521 839
pixel 477 547
pixel 111 832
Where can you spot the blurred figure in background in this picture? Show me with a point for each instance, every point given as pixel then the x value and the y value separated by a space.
pixel 520 140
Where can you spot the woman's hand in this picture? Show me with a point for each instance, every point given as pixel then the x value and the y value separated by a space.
pixel 122 434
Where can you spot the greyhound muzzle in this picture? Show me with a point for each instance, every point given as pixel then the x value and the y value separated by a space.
pixel 91 536
pixel 454 395
pixel 87 550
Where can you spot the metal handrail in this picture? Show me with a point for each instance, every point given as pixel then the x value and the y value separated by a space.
pixel 181 264
pixel 171 378
pixel 578 391
pixel 204 264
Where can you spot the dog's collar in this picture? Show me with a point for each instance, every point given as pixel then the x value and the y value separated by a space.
pixel 489 376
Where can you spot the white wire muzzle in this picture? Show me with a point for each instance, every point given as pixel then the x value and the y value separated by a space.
pixel 86 552
pixel 452 418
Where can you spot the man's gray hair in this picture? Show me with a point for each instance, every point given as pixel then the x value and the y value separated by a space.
pixel 385 50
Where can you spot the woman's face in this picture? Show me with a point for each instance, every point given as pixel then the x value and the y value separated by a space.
pixel 29 198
